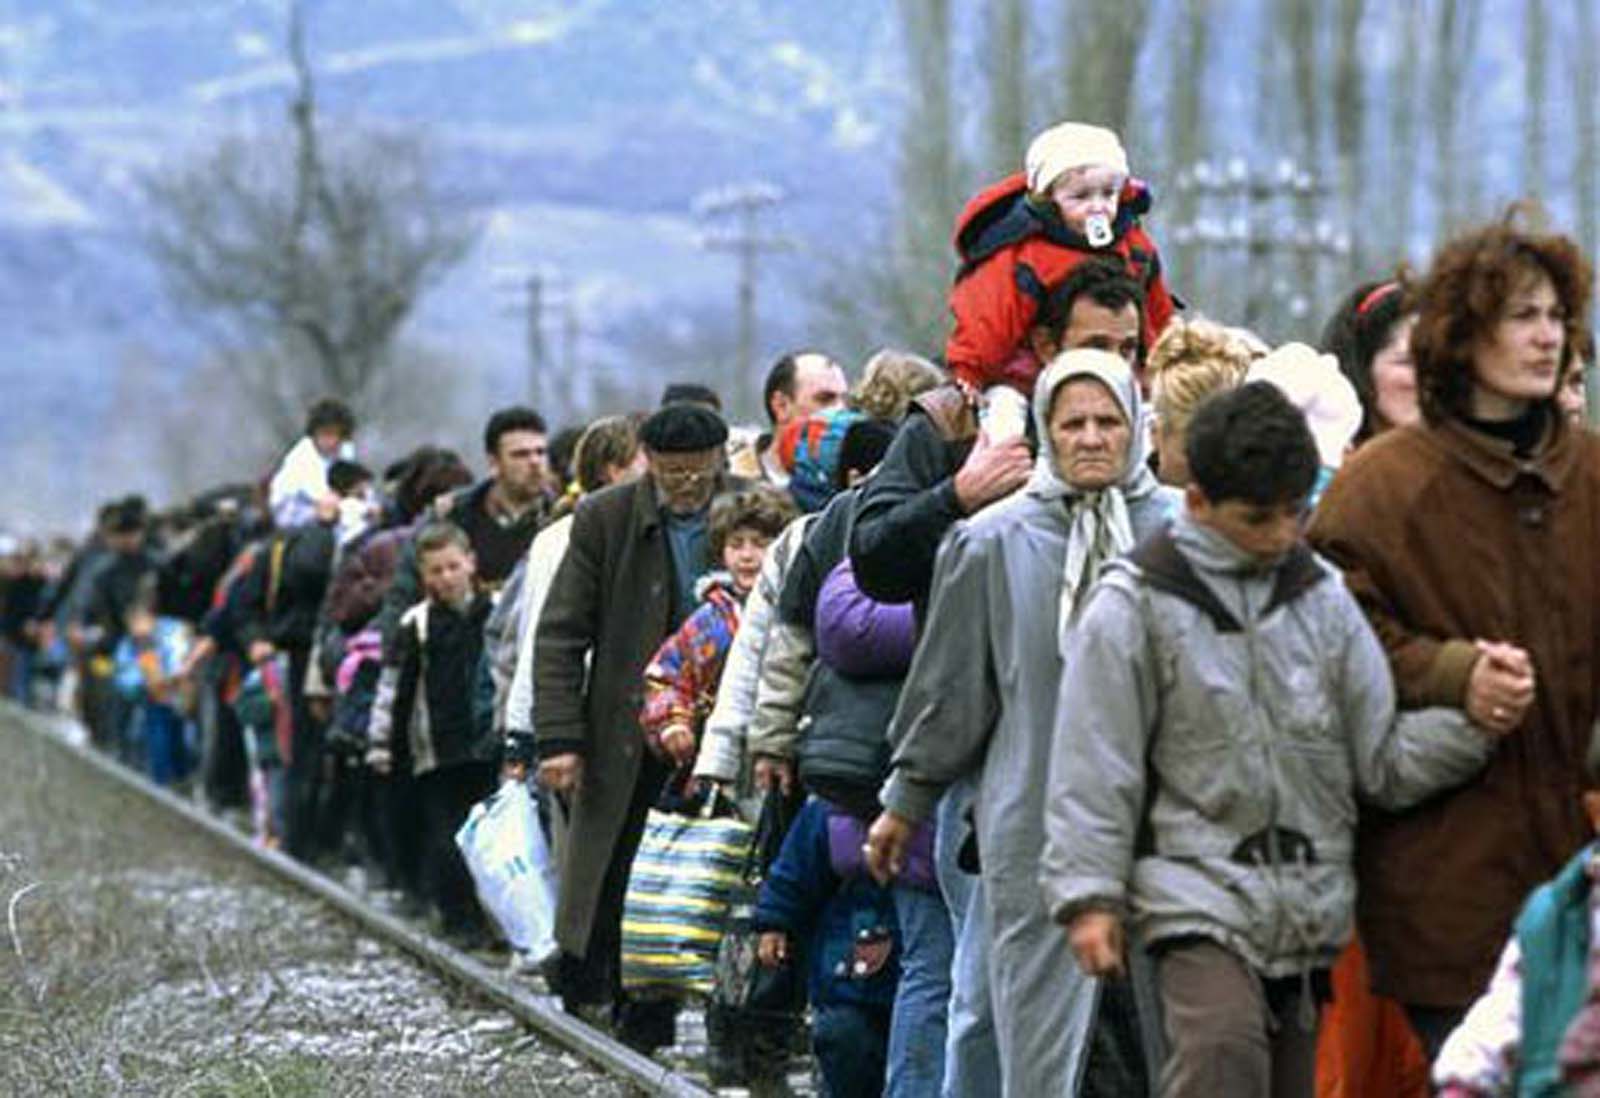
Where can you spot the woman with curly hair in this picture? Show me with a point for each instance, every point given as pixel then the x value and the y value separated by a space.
pixel 1470 541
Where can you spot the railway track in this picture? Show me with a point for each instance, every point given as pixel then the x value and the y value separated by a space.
pixel 489 984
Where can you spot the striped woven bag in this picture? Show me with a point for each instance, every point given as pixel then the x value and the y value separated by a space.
pixel 686 872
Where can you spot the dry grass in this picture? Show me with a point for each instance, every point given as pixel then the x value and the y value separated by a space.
pixel 136 959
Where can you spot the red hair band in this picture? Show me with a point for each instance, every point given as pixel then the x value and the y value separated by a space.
pixel 1379 292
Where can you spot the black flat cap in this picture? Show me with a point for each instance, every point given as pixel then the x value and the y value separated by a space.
pixel 683 428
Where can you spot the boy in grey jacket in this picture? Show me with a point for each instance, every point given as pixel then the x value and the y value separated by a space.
pixel 1222 706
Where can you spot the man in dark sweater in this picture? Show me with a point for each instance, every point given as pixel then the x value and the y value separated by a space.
pixel 499 514
pixel 425 695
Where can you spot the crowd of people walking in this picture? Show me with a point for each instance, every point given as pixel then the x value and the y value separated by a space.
pixel 1117 704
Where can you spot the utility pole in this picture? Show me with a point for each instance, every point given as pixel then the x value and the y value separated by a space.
pixel 536 350
pixel 1259 217
pixel 544 300
pixel 742 204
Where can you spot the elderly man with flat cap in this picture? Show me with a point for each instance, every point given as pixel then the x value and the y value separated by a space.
pixel 626 583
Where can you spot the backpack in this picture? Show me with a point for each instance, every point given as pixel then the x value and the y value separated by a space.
pixel 355 689
pixel 844 743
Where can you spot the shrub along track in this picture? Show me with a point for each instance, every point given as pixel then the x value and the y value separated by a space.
pixel 149 948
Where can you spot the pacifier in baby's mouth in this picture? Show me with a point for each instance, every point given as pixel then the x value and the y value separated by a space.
pixel 1097 229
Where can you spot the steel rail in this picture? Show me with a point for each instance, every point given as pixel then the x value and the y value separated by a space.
pixel 488 983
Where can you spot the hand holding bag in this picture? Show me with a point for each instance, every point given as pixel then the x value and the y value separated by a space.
pixel 686 872
pixel 746 988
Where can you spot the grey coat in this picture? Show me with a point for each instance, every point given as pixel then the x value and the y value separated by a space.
pixel 1210 706
pixel 981 698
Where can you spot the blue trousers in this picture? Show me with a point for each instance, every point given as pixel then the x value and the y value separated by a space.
pixel 922 998
pixel 972 1051
pixel 851 1041
pixel 166 754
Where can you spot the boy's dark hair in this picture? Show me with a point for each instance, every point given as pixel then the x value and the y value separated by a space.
pixel 345 477
pixel 1358 330
pixel 694 393
pixel 146 598
pixel 563 452
pixel 761 509
pixel 506 420
pixel 330 413
pixel 440 534
pixel 862 448
pixel 1250 444
pixel 128 516
pixel 1106 282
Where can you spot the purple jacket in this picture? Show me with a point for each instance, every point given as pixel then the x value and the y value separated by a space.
pixel 847 834
pixel 859 636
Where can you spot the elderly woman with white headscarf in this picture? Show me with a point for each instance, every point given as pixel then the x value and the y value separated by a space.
pixel 981 694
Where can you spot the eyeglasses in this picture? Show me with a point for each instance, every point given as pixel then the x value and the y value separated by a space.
pixel 684 478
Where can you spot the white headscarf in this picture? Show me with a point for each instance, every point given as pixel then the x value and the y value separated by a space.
pixel 1101 528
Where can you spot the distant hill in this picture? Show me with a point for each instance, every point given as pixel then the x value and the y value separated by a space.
pixel 582 133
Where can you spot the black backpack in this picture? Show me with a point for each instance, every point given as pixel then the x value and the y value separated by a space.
pixel 844 743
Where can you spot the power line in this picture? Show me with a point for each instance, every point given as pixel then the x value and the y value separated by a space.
pixel 742 204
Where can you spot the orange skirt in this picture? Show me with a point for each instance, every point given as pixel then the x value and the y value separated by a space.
pixel 1366 1048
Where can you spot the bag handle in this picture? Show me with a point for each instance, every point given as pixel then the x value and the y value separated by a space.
pixel 280 545
pixel 771 827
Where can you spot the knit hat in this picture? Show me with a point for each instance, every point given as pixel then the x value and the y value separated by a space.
pixel 683 428
pixel 1071 145
pixel 1315 385
pixel 809 448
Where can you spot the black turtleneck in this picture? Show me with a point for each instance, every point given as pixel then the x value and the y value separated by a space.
pixel 1523 433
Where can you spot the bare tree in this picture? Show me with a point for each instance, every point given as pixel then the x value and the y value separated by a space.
pixel 300 256
pixel 1535 56
pixel 1006 63
pixel 931 170
pixel 1403 125
pixel 1585 70
pixel 897 292
pixel 1186 138
pixel 1297 31
pixel 1101 45
pixel 1455 40
pixel 1350 115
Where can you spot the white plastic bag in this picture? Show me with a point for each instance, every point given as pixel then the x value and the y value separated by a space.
pixel 506 853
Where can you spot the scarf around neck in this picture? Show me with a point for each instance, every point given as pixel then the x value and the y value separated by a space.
pixel 1100 526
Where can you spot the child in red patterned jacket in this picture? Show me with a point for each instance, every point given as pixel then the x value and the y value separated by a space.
pixel 680 683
